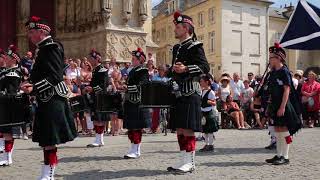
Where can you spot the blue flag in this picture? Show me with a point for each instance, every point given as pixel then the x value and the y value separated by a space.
pixel 303 29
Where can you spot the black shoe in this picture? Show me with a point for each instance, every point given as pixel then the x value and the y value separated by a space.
pixel 272 146
pixel 281 161
pixel 272 160
pixel 204 149
pixel 210 148
pixel 171 169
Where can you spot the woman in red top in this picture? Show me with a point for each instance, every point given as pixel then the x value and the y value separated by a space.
pixel 310 97
pixel 234 111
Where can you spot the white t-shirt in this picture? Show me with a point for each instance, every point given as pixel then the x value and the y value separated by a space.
pixel 237 87
pixel 73 74
pixel 224 92
pixel 295 82
pixel 211 96
pixel 247 95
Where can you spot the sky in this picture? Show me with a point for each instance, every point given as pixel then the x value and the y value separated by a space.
pixel 277 2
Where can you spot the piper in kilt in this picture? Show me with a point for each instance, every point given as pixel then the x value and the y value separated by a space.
pixel 189 62
pixel 209 113
pixel 135 119
pixel 54 123
pixel 98 85
pixel 284 109
pixel 10 80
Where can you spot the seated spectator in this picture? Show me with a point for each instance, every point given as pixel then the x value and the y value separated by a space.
pixel 310 98
pixel 234 111
pixel 255 107
pixel 225 89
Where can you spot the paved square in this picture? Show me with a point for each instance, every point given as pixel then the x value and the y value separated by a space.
pixel 239 155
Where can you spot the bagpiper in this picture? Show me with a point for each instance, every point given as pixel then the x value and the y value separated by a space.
pixel 54 123
pixel 189 62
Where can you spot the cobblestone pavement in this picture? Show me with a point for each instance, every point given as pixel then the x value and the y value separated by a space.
pixel 238 155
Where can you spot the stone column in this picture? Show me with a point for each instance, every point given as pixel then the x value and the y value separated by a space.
pixel 23 14
pixel 61 15
pixel 70 24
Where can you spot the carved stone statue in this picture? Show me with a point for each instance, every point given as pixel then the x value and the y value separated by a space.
pixel 106 7
pixel 143 11
pixel 127 10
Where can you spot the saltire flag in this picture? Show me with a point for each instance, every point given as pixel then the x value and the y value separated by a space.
pixel 303 29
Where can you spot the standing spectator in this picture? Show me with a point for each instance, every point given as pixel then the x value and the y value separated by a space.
pixel 150 57
pixel 151 69
pixel 73 73
pixel 252 82
pixel 310 97
pixel 125 70
pixel 237 86
pixel 160 76
pixel 246 98
pixel 27 61
pixel 112 66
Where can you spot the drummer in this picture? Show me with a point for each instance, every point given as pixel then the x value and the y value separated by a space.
pixel 99 84
pixel 10 81
pixel 2 68
pixel 134 117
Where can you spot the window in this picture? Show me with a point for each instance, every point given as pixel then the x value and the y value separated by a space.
pixel 200 19
pixel 255 44
pixel 158 36
pixel 200 38
pixel 211 42
pixel 170 32
pixel 236 45
pixel 255 20
pixel 211 14
pixel 277 37
pixel 171 6
pixel 236 14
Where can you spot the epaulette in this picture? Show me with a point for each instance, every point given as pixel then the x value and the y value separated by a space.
pixel 141 68
pixel 103 69
pixel 194 43
pixel 49 43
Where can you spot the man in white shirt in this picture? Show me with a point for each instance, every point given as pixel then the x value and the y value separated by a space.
pixel 237 87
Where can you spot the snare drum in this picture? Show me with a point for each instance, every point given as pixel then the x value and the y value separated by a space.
pixel 156 94
pixel 79 104
pixel 108 103
pixel 13 109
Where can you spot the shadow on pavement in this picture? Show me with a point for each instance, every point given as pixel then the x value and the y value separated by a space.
pixel 89 158
pixel 228 164
pixel 230 151
pixel 98 175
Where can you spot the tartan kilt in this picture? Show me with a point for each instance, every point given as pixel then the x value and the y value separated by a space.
pixel 54 123
pixel 186 113
pixel 211 124
pixel 135 117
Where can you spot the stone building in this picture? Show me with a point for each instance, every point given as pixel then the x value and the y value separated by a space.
pixel 296 59
pixel 113 27
pixel 234 32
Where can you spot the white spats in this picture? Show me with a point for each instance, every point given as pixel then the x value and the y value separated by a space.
pixel 134 151
pixel 189 165
pixel 98 141
pixel 6 159
pixel 47 172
